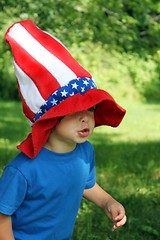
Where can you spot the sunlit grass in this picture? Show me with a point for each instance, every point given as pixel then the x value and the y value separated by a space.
pixel 140 124
pixel 127 164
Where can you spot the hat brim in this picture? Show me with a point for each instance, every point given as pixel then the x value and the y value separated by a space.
pixel 107 112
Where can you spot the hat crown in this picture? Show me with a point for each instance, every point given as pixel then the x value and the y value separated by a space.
pixel 42 64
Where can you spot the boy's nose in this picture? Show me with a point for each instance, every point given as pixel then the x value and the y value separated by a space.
pixel 84 116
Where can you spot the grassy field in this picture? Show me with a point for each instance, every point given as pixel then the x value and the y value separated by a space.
pixel 128 167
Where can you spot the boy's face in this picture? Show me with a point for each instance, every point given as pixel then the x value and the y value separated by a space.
pixel 75 128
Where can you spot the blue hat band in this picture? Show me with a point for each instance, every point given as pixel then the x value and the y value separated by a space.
pixel 78 85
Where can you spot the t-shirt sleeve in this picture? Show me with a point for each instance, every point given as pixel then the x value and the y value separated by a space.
pixel 92 174
pixel 13 188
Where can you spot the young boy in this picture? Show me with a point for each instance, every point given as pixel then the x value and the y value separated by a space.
pixel 42 188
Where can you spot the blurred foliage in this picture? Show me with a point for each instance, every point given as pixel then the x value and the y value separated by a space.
pixel 122 74
pixel 128 28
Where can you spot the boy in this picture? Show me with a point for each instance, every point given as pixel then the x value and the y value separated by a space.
pixel 42 188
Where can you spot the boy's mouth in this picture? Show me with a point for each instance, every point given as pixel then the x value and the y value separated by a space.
pixel 84 132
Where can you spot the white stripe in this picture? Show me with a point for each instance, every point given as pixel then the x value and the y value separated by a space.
pixel 56 67
pixel 29 90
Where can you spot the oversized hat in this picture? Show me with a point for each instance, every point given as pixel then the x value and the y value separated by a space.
pixel 53 84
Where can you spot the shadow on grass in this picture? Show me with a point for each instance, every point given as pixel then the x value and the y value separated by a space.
pixel 130 157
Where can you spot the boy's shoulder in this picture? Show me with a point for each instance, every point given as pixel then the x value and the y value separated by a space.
pixel 19 162
pixel 25 165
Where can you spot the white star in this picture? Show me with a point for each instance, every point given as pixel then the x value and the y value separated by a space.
pixel 45 103
pixel 82 89
pixel 72 94
pixel 54 102
pixel 64 93
pixel 40 111
pixel 85 82
pixel 94 85
pixel 74 85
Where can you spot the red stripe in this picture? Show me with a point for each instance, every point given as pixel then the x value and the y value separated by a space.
pixel 43 79
pixel 56 48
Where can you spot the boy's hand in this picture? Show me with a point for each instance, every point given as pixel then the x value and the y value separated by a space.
pixel 113 209
pixel 116 213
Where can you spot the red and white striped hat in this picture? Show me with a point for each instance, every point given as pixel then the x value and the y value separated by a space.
pixel 53 84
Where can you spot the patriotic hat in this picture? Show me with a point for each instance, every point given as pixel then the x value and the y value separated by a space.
pixel 53 84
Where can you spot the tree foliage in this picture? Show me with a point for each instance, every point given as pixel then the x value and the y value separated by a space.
pixel 126 25
pixel 122 25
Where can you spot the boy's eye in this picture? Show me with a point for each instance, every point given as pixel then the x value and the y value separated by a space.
pixel 92 109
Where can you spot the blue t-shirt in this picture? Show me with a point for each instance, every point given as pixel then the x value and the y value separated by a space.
pixel 43 194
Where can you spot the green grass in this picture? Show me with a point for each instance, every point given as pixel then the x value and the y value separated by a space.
pixel 128 167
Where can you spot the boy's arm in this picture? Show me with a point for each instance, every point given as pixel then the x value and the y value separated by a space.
pixel 113 209
pixel 6 228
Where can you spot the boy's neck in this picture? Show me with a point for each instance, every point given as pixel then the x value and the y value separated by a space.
pixel 55 145
pixel 59 149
